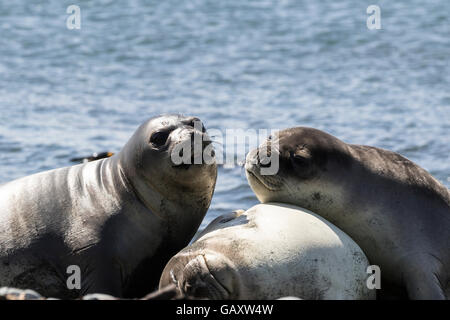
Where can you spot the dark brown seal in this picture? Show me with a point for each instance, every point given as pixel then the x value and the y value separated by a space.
pixel 395 210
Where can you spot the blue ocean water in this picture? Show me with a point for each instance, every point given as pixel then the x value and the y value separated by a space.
pixel 235 64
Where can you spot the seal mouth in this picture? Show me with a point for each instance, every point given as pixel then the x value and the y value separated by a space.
pixel 269 185
pixel 182 166
pixel 186 166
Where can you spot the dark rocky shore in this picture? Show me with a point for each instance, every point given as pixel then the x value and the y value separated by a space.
pixel 167 293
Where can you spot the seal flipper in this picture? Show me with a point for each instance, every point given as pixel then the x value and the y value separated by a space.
pixel 424 287
pixel 106 279
pixel 424 284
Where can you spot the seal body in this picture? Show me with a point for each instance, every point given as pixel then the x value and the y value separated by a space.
pixel 118 220
pixel 395 210
pixel 270 251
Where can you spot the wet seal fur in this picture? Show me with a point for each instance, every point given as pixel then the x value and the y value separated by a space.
pixel 395 210
pixel 270 251
pixel 119 219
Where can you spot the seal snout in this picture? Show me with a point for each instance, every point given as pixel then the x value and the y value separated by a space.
pixel 191 147
pixel 193 275
pixel 256 161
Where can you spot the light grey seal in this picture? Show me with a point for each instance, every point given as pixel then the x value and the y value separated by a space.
pixel 118 219
pixel 395 210
pixel 270 251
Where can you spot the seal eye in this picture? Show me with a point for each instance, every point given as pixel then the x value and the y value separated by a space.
pixel 159 138
pixel 300 158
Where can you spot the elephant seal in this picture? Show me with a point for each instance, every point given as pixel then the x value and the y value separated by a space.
pixel 395 210
pixel 270 251
pixel 118 219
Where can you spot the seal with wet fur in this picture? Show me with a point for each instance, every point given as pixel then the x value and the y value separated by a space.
pixel 395 210
pixel 118 219
pixel 270 251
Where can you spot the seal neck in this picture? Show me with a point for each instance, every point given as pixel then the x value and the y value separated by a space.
pixel 132 185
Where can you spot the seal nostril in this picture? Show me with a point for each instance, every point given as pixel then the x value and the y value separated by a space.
pixel 265 165
pixel 265 162
pixel 206 143
pixel 197 124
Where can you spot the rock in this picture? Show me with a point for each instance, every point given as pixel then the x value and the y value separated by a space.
pixel 7 293
pixel 167 293
pixel 99 296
